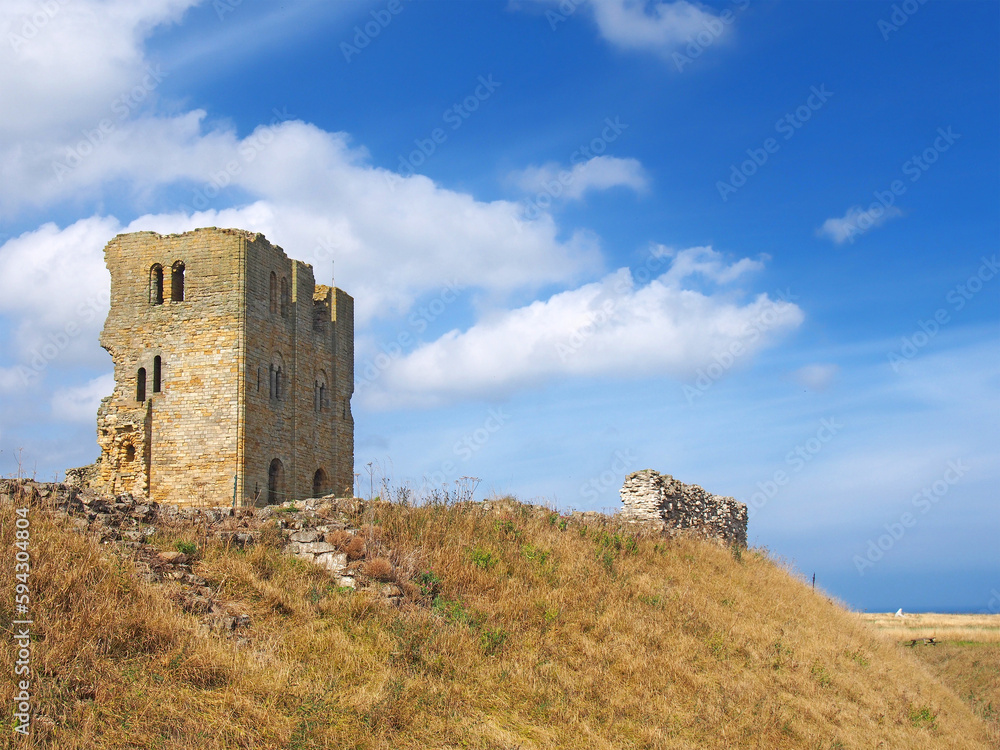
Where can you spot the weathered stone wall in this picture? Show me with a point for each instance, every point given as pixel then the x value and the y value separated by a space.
pixel 181 440
pixel 662 501
pixel 222 413
pixel 306 425
pixel 342 322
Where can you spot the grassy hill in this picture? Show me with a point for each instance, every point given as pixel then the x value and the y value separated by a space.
pixel 517 629
pixel 967 659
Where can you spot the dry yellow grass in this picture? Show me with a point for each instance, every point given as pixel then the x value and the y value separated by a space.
pixel 972 670
pixel 524 632
pixel 978 628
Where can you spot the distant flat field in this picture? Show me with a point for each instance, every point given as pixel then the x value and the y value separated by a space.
pixel 978 628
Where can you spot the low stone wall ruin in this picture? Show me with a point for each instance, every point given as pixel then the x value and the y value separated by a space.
pixel 659 500
pixel 319 531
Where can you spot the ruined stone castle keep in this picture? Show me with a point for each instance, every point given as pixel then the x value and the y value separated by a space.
pixel 233 373
pixel 660 501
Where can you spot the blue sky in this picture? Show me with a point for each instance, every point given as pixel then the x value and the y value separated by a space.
pixel 751 244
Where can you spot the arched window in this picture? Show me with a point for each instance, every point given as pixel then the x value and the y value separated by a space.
pixel 140 385
pixel 130 452
pixel 284 297
pixel 157 373
pixel 273 296
pixel 319 483
pixel 177 282
pixel 275 482
pixel 156 285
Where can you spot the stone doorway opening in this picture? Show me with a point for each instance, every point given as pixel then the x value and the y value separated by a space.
pixel 275 482
pixel 320 483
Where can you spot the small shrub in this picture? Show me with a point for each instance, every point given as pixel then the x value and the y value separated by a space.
pixel 355 549
pixel 188 548
pixel 507 527
pixel 782 655
pixel 607 559
pixel 923 718
pixel 717 645
pixel 483 559
pixel 560 521
pixel 315 595
pixel 819 673
pixel 378 568
pixel 535 554
pixel 453 610
pixel 610 545
pixel 429 583
pixel 339 539
pixel 491 641
pixel 858 658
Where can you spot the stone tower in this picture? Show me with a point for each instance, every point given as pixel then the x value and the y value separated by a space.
pixel 233 373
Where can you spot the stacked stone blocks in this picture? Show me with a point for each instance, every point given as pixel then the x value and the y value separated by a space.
pixel 660 501
pixel 248 373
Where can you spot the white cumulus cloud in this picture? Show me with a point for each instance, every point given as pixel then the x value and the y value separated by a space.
pixel 54 291
pixel 314 194
pixel 598 173
pixel 658 26
pixel 856 222
pixel 79 403
pixel 613 327
pixel 64 62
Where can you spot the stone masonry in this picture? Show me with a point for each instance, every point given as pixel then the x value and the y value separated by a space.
pixel 662 501
pixel 233 371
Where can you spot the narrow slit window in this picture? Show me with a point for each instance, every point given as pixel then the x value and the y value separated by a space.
pixel 273 293
pixel 157 374
pixel 177 282
pixel 156 285
pixel 140 385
